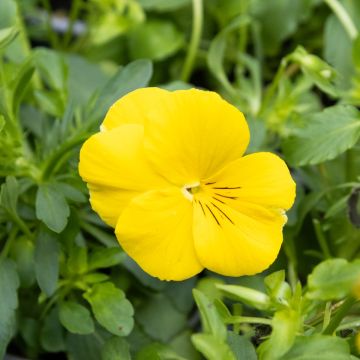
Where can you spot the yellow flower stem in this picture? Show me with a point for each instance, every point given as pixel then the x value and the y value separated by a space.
pixel 342 312
pixel 343 17
pixel 197 25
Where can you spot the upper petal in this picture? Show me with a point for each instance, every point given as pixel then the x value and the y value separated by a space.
pixel 192 134
pixel 116 159
pixel 155 229
pixel 133 108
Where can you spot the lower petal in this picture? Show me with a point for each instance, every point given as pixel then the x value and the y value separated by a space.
pixel 156 231
pixel 233 242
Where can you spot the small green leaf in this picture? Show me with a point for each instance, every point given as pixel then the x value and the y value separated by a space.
pixel 318 347
pixel 326 135
pixel 332 279
pixel 104 258
pixel 111 309
pixel 22 251
pixel 217 49
pixel 51 334
pixel 21 83
pixel 241 346
pixel 115 348
pixel 51 207
pixel 210 318
pixel 212 347
pixel 47 261
pixel 155 40
pixel 52 68
pixel 160 319
pixel 7 35
pixel 9 194
pixel 76 318
pixel 249 296
pixel 9 283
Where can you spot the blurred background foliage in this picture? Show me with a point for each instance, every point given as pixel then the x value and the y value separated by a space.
pixel 66 288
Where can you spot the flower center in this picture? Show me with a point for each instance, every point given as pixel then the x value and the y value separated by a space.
pixel 190 189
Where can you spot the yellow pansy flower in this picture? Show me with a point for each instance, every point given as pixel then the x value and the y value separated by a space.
pixel 168 172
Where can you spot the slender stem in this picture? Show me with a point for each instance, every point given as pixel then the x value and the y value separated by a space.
pixel 194 41
pixel 343 17
pixel 321 239
pixel 247 319
pixel 342 312
pixel 350 165
pixel 52 35
pixel 9 242
pixel 75 7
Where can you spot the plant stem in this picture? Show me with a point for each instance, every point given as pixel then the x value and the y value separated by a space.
pixel 343 17
pixel 248 319
pixel 75 7
pixel 197 25
pixel 321 239
pixel 9 241
pixel 54 41
pixel 341 313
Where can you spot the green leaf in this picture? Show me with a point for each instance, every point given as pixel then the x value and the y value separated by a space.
pixel 9 283
pixel 81 347
pixel 241 346
pixel 76 318
pixel 111 309
pixel 332 279
pixel 9 194
pixel 212 347
pixel 115 348
pixel 21 83
pixel 52 68
pixel 155 40
pixel 252 297
pixel 22 251
pixel 217 49
pixel 159 318
pixel 210 318
pixel 156 351
pixel 104 258
pixel 51 207
pixel 47 261
pixel 285 325
pixel 326 135
pixel 51 335
pixel 133 76
pixel 318 347
pixel 7 35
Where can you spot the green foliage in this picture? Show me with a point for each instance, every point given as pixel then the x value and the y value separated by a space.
pixel 67 288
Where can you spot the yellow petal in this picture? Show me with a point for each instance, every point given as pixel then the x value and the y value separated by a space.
pixel 133 108
pixel 116 158
pixel 260 178
pixel 192 134
pixel 115 168
pixel 236 242
pixel 109 202
pixel 155 229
